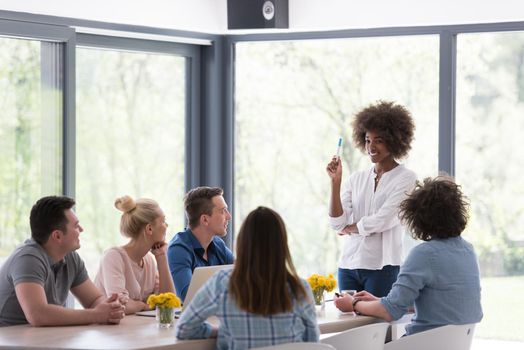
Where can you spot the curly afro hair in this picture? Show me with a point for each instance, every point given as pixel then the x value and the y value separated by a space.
pixel 391 121
pixel 436 208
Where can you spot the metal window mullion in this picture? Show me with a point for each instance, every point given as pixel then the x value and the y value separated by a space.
pixel 447 90
pixel 69 117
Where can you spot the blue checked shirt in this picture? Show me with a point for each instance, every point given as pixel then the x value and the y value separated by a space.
pixel 242 330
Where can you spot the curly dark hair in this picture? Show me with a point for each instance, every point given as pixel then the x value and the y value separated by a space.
pixel 436 208
pixel 391 121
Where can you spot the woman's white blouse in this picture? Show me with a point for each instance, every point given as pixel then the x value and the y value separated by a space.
pixel 379 241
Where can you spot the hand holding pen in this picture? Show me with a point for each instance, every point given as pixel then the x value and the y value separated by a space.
pixel 339 147
pixel 334 167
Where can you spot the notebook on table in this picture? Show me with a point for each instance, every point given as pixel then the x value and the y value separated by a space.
pixel 148 313
pixel 200 276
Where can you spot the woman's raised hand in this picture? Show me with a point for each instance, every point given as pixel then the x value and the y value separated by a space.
pixel 334 169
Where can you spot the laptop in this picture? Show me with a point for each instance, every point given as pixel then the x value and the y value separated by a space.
pixel 200 276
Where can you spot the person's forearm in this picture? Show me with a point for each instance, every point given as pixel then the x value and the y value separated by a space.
pixel 196 329
pixel 164 276
pixel 373 308
pixel 97 301
pixel 335 204
pixel 133 306
pixel 55 315
pixel 214 331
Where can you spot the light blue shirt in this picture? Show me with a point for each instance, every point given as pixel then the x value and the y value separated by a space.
pixel 240 329
pixel 441 277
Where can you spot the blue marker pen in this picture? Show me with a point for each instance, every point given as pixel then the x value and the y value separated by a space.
pixel 339 147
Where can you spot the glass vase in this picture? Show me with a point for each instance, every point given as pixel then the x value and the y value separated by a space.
pixel 165 317
pixel 320 304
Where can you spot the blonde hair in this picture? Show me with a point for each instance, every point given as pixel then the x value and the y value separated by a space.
pixel 137 214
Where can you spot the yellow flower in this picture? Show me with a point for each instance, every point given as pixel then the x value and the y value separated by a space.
pixel 163 300
pixel 319 283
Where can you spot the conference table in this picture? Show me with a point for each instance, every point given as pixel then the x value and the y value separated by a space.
pixel 139 332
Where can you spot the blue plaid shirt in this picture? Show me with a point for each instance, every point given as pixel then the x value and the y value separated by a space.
pixel 240 329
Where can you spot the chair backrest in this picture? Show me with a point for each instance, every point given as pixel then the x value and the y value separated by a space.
pixel 370 337
pixel 452 337
pixel 299 346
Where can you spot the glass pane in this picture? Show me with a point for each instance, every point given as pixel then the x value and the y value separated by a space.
pixel 30 134
pixel 294 100
pixel 490 108
pixel 130 140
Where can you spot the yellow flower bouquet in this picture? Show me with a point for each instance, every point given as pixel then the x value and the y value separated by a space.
pixel 319 284
pixel 165 304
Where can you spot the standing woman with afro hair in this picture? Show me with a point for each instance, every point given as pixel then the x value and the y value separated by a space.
pixel 365 210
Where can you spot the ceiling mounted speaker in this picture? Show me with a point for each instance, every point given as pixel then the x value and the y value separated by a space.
pixel 252 14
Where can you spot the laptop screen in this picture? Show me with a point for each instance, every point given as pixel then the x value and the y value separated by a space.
pixel 200 276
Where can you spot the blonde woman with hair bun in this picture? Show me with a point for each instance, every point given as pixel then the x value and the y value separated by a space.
pixel 139 268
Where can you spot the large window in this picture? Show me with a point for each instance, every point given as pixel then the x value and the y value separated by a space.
pixel 130 140
pixel 292 102
pixel 30 133
pixel 490 120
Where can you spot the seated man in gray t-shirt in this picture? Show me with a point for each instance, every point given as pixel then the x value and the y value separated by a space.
pixel 37 277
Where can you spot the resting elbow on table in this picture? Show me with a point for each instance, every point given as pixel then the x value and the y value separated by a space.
pixel 203 330
pixel 132 306
pixel 39 312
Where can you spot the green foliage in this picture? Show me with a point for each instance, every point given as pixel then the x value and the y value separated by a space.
pixel 293 101
pixel 21 139
pixel 514 260
pixel 489 154
pixel 129 132
pixel 503 308
pixel 130 140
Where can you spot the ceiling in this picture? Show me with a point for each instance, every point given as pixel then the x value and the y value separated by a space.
pixel 210 16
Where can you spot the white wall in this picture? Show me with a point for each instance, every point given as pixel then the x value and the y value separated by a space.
pixel 349 14
pixel 194 15
pixel 305 15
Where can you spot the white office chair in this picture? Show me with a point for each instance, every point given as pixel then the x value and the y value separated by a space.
pixel 370 337
pixel 452 337
pixel 298 346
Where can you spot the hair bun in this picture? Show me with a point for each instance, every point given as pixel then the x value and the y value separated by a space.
pixel 125 204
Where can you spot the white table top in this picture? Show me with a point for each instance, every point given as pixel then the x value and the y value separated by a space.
pixel 133 333
pixel 332 320
pixel 138 332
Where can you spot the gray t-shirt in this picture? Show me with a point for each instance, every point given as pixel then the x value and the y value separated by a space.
pixel 30 263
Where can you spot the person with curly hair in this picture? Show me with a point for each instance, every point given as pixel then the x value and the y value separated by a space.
pixel 365 211
pixel 440 276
